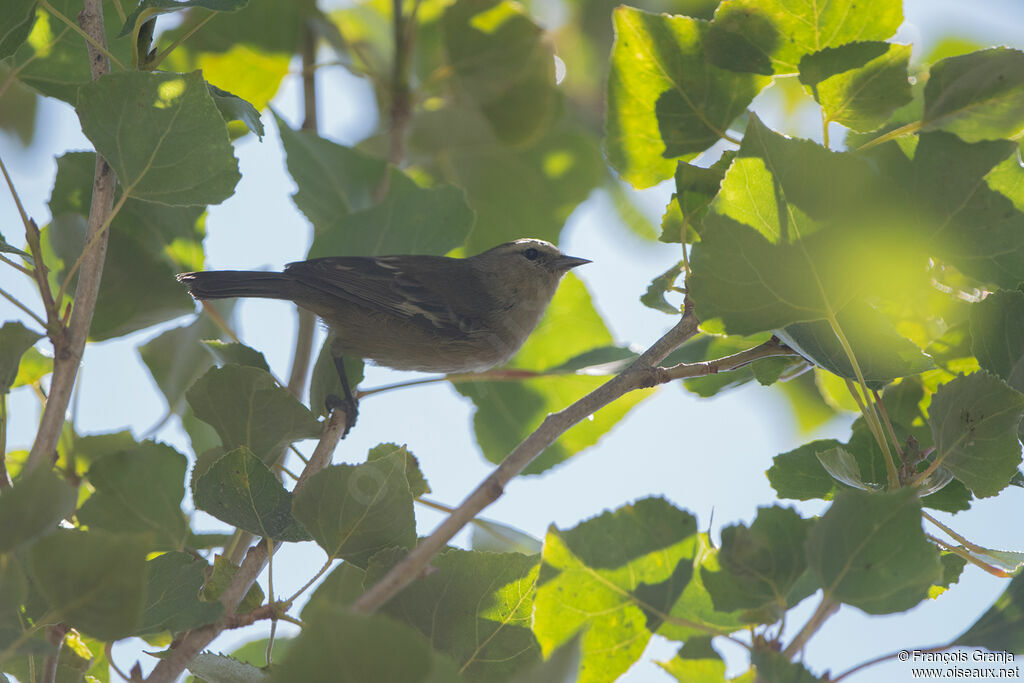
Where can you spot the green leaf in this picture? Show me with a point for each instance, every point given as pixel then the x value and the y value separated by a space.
pixel 93 580
pixel 562 665
pixel 694 613
pixel 175 151
pixel 51 60
pixel 241 490
pixel 494 537
pixel 15 340
pixel 207 666
pixel 148 9
pixel 766 258
pixel 774 667
pixel 341 588
pixel 223 572
pixel 247 408
pixel 39 500
pixel 501 61
pixel 585 581
pixel 538 186
pixel 357 648
pixel 695 188
pixel 477 608
pixel 858 85
pixel 352 511
pixel 417 482
pixel 409 220
pixel 881 353
pixel 325 381
pixel 654 297
pixel 869 551
pixel 973 227
pixel 507 412
pixel 662 90
pixel 696 662
pixel 1001 628
pixel 174 581
pixel 234 108
pixel 139 490
pixel 978 96
pixel 974 423
pixel 333 180
pixel 799 475
pixel 843 467
pixel 760 563
pixel 16 20
pixel 997 335
pixel 772 36
pixel 236 353
pixel 175 359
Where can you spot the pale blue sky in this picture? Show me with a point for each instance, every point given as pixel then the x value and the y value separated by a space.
pixel 702 455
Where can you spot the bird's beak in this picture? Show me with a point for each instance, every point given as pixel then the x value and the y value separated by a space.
pixel 568 262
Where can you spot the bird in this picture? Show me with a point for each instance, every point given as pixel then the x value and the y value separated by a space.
pixel 418 312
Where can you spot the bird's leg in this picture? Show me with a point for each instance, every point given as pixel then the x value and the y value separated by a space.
pixel 346 403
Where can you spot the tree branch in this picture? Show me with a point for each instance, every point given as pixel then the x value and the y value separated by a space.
pixel 826 608
pixel 193 642
pixel 641 374
pixel 69 342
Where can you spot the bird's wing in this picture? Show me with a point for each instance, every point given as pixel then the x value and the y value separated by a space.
pixel 433 291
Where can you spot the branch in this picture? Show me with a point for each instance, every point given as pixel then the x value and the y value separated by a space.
pixel 69 343
pixel 826 608
pixel 641 374
pixel 193 642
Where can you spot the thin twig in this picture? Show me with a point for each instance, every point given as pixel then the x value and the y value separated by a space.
pixel 155 64
pixel 28 311
pixel 641 373
pixel 69 346
pixel 891 655
pixel 17 266
pixel 826 608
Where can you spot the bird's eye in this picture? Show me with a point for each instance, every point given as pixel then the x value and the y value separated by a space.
pixel 531 253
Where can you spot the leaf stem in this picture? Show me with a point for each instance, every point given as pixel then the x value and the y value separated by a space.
pixel 28 311
pixel 908 129
pixel 869 415
pixel 98 43
pixel 158 60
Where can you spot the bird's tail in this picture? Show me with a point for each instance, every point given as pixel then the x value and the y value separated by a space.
pixel 227 284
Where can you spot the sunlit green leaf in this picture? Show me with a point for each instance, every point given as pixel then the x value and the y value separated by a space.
pixel 978 96
pixel 665 100
pixel 773 35
pixel 585 582
pixel 1000 628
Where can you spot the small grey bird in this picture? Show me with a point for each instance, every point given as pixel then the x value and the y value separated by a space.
pixel 413 312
